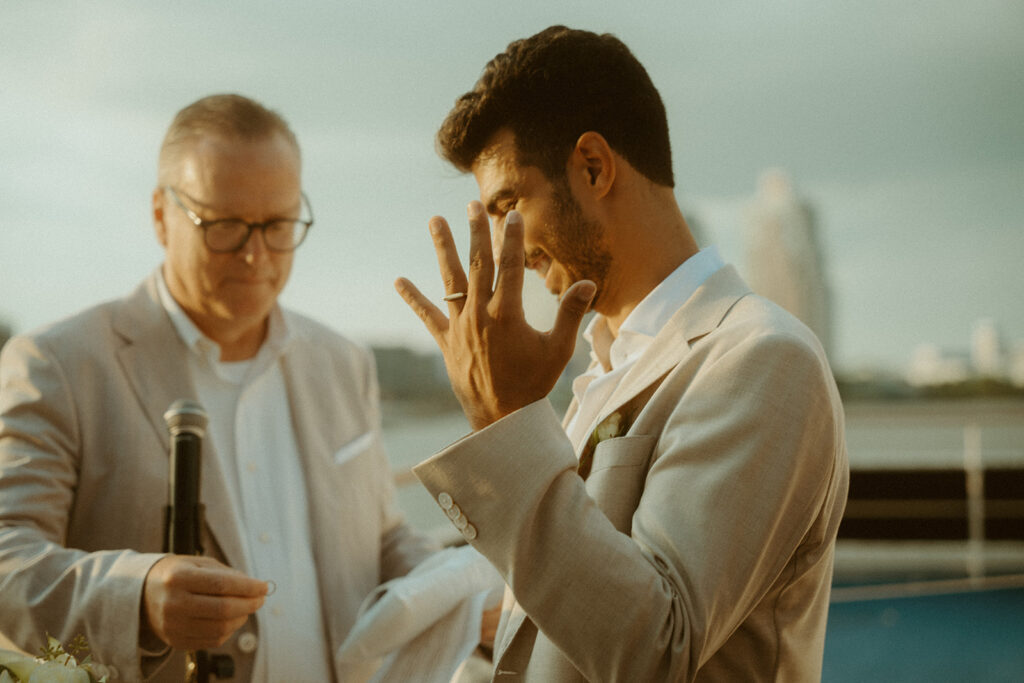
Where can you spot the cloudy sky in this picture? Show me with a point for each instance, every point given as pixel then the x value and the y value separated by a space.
pixel 901 122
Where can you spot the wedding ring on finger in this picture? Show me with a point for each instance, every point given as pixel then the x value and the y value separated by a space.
pixel 454 297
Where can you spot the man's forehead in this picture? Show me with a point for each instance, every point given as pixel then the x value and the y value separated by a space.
pixel 497 164
pixel 500 149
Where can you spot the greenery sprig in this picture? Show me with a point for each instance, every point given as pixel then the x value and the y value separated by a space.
pixel 56 663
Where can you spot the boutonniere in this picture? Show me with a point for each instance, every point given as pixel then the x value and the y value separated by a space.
pixel 609 428
pixel 55 664
pixel 613 426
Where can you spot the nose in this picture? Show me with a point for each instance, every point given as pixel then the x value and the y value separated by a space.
pixel 255 246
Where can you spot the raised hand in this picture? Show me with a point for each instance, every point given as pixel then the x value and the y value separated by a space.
pixel 496 361
pixel 195 603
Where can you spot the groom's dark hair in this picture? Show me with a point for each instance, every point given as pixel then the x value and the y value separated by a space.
pixel 551 88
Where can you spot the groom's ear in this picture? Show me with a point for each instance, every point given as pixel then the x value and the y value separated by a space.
pixel 592 165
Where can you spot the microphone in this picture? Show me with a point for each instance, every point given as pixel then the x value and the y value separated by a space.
pixel 186 421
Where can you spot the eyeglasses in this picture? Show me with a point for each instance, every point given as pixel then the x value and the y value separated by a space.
pixel 226 235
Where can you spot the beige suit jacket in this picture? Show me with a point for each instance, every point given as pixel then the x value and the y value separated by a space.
pixel 83 479
pixel 700 546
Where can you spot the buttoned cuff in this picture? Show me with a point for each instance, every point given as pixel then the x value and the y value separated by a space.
pixel 485 481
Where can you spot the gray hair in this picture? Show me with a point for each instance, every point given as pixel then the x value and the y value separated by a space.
pixel 228 115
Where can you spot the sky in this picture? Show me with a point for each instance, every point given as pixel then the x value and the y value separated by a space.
pixel 901 123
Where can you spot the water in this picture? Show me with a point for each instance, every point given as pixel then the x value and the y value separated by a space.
pixel 969 636
pixel 410 438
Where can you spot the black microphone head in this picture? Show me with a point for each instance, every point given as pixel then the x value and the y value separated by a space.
pixel 186 415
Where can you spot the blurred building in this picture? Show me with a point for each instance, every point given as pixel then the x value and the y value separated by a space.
pixel 783 255
pixel 988 358
pixel 930 365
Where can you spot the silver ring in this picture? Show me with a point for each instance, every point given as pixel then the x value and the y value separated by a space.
pixel 454 297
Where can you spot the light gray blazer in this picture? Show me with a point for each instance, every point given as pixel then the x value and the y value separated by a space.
pixel 700 546
pixel 83 478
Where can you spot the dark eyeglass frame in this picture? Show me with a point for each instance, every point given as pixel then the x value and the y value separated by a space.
pixel 205 225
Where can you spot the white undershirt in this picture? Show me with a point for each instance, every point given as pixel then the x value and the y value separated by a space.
pixel 251 431
pixel 593 388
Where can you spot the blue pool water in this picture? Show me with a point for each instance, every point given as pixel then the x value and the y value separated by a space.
pixel 976 637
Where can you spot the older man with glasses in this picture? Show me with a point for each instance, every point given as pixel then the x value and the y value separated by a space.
pixel 300 519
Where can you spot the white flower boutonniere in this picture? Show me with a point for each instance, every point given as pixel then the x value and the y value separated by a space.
pixel 609 428
pixel 55 665
pixel 613 426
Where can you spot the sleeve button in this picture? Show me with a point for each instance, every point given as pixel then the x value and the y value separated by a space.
pixel 247 642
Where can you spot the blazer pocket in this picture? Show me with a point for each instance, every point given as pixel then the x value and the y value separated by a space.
pixel 617 477
pixel 357 446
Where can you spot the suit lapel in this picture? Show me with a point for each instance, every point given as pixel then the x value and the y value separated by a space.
pixel 667 349
pixel 155 360
pixel 701 314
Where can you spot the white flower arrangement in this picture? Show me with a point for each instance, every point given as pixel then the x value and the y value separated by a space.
pixel 54 665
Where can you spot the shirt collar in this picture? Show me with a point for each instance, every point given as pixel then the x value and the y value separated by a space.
pixel 279 333
pixel 654 310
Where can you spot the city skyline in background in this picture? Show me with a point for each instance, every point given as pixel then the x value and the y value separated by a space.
pixel 899 130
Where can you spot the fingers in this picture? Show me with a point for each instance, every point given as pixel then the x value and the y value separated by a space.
pixel 432 317
pixel 197 602
pixel 574 305
pixel 481 258
pixel 191 632
pixel 218 607
pixel 447 256
pixel 203 576
pixel 205 621
pixel 508 291
pixel 211 578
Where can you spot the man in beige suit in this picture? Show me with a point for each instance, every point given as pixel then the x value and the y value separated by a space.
pixel 296 484
pixel 679 523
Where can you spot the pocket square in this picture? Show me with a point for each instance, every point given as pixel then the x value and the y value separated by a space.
pixel 360 444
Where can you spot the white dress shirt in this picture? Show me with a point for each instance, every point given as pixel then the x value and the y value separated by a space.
pixel 614 355
pixel 250 428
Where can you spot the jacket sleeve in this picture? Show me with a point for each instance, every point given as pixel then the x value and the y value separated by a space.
pixel 738 472
pixel 45 587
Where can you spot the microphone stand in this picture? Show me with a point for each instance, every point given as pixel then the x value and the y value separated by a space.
pixel 186 422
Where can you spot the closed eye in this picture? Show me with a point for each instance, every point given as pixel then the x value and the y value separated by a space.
pixel 536 259
pixel 501 203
